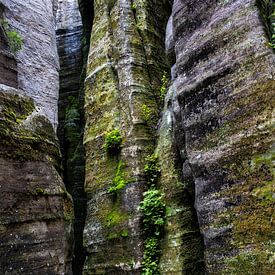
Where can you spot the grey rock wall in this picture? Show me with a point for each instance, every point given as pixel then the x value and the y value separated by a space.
pixel 38 60
pixel 223 123
pixel 36 211
pixel 8 66
pixel 126 62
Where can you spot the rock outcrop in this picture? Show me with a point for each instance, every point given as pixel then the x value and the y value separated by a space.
pixel 38 60
pixel 125 65
pixel 224 87
pixel 8 66
pixel 36 212
pixel 178 99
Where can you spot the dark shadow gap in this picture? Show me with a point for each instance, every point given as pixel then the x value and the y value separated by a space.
pixel 73 48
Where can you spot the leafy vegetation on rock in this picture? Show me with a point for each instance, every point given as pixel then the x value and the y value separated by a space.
pixel 153 210
pixel 118 181
pixel 113 141
pixel 163 87
pixel 14 39
pixel 152 169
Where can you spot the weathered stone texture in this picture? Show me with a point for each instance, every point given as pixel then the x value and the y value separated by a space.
pixel 126 62
pixel 182 246
pixel 36 213
pixel 225 98
pixel 38 60
pixel 8 66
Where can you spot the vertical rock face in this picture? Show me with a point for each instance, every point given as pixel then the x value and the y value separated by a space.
pixel 69 32
pixel 37 61
pixel 8 67
pixel 126 62
pixel 213 142
pixel 70 129
pixel 223 122
pixel 36 213
pixel 182 246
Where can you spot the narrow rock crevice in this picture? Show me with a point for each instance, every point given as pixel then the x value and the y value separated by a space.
pixel 73 31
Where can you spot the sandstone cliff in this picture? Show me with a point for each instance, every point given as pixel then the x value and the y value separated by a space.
pixel 165 127
pixel 37 212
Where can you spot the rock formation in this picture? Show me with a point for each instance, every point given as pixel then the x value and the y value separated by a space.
pixel 172 102
pixel 36 213
pixel 223 121
pixel 69 32
pixel 38 61
pixel 125 65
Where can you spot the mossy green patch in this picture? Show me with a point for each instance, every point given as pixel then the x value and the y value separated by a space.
pixel 33 141
pixel 116 235
pixel 251 216
pixel 251 262
pixel 154 210
pixel 119 181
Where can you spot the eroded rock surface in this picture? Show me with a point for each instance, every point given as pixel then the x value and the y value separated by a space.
pixel 225 97
pixel 8 66
pixel 182 246
pixel 126 62
pixel 70 116
pixel 36 213
pixel 38 60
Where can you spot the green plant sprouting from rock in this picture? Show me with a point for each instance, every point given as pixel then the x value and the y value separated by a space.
pixel 146 113
pixel 134 6
pixel 14 39
pixel 113 141
pixel 152 169
pixel 153 210
pixel 267 12
pixel 118 182
pixel 163 87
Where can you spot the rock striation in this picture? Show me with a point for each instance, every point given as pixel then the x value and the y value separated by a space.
pixel 8 66
pixel 37 212
pixel 126 62
pixel 178 99
pixel 224 99
pixel 38 60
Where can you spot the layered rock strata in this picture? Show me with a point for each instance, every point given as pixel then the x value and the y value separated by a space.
pixel 182 245
pixel 8 66
pixel 125 65
pixel 223 121
pixel 38 60
pixel 214 140
pixel 37 212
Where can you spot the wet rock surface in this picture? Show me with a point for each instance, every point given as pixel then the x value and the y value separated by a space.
pixel 69 32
